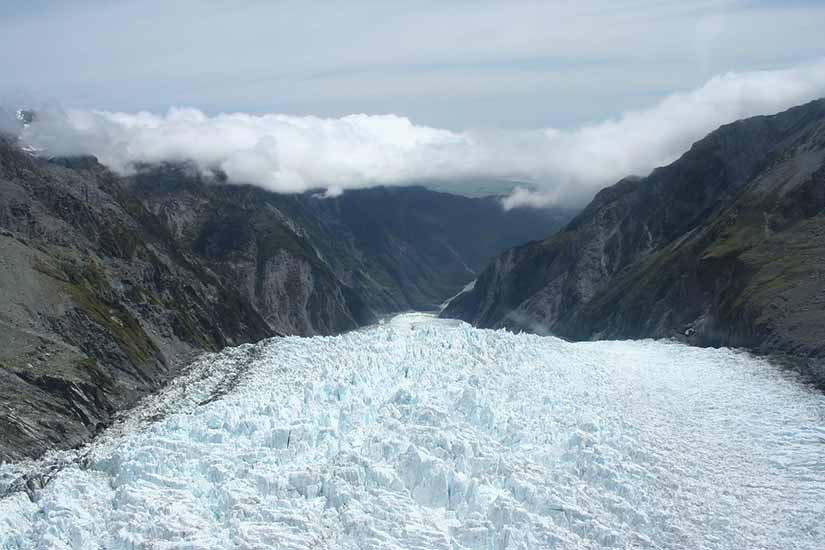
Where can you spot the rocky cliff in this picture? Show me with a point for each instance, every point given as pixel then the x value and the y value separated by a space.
pixel 726 246
pixel 109 285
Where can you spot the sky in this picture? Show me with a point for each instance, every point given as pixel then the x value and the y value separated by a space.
pixel 393 92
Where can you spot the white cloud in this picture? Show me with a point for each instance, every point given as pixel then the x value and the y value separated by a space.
pixel 295 153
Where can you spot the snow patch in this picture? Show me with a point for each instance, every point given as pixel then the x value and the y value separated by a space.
pixel 467 288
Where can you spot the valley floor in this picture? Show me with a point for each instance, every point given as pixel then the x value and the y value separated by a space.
pixel 427 433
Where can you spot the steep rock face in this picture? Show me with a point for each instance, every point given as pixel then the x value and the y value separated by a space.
pixel 722 247
pixel 246 241
pixel 109 285
pixel 98 305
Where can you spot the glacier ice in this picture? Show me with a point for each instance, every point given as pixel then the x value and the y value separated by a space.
pixel 426 433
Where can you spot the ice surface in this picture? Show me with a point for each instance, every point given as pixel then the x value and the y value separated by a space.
pixel 424 433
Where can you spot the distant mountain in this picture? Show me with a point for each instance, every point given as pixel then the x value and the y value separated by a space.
pixel 726 246
pixel 109 285
pixel 478 188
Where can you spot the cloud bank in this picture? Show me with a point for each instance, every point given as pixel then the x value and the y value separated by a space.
pixel 291 154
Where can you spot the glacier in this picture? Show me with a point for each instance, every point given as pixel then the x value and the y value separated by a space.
pixel 428 434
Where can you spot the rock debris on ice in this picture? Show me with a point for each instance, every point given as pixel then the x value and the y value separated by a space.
pixel 425 433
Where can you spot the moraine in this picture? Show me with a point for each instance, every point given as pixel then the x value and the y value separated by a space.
pixel 426 433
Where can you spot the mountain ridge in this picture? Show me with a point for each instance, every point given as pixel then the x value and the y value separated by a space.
pixel 687 252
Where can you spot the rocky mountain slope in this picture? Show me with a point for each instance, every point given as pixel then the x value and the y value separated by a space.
pixel 726 246
pixel 109 285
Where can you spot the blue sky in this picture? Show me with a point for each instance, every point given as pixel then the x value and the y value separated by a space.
pixel 452 65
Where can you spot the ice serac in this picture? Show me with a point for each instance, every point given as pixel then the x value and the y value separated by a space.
pixel 426 433
pixel 723 247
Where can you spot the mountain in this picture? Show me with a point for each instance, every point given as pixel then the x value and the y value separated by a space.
pixel 396 248
pixel 109 285
pixel 724 247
